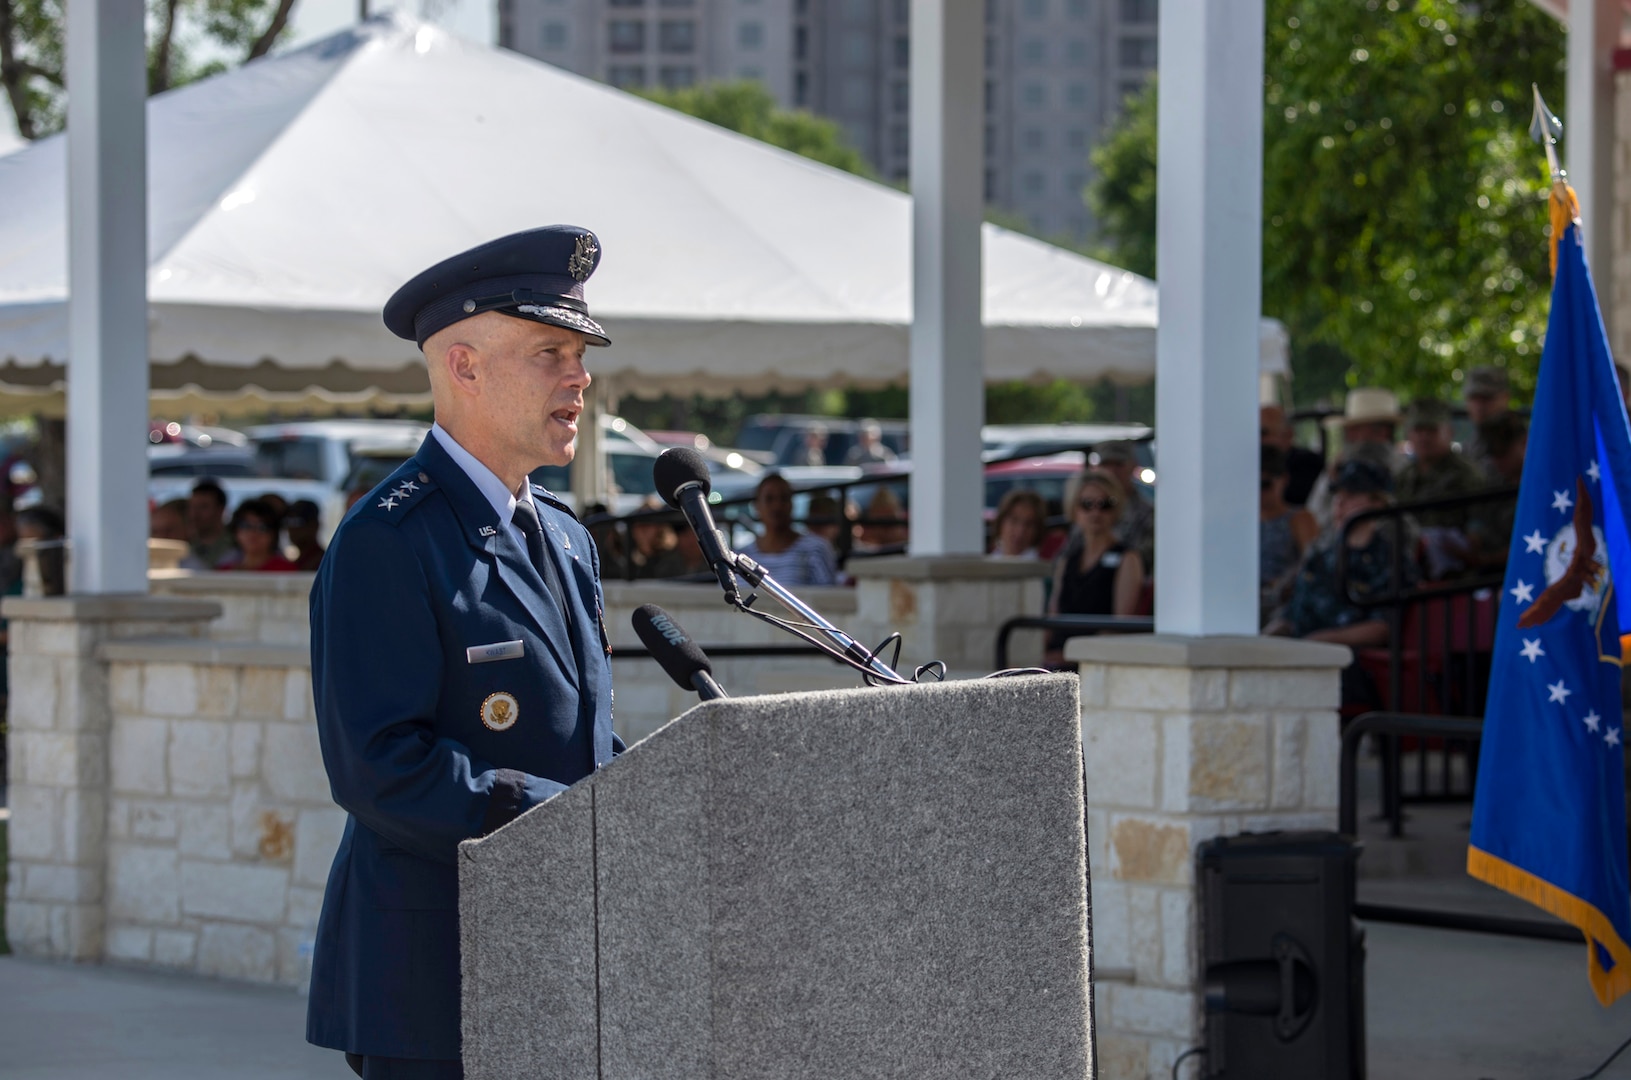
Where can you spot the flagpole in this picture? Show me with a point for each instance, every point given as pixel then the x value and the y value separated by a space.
pixel 1545 128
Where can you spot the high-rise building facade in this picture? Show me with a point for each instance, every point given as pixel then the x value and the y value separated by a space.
pixel 1057 72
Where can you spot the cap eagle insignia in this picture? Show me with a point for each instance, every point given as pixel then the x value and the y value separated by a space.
pixel 582 262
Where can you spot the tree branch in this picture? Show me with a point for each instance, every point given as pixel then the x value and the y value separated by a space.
pixel 264 43
pixel 158 78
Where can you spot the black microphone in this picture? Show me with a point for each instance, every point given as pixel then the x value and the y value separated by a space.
pixel 681 657
pixel 682 480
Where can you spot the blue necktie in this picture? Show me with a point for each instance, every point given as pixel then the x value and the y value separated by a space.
pixel 526 519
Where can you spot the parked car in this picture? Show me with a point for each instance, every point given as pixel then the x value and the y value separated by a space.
pixel 227 461
pixel 1029 440
pixel 780 436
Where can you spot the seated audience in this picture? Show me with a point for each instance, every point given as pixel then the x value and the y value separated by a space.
pixel 1505 440
pixel 1096 574
pixel 1369 417
pixel 654 545
pixel 792 557
pixel 883 523
pixel 830 519
pixel 255 532
pixel 45 526
pixel 206 523
pixel 1017 531
pixel 1303 466
pixel 300 524
pixel 1284 533
pixel 1136 525
pixel 1487 394
pixel 1437 471
pixel 1319 608
pixel 869 448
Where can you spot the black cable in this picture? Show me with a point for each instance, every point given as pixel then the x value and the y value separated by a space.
pixel 1191 1052
pixel 1008 673
pixel 1598 1071
pixel 798 630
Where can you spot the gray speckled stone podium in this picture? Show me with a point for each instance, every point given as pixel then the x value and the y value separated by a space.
pixel 864 883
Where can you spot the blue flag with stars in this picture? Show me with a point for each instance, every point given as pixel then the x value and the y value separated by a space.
pixel 1549 819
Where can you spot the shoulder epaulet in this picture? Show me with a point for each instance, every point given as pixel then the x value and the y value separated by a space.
pixel 543 494
pixel 399 494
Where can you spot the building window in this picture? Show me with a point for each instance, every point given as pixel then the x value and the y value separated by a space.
pixel 857 93
pixel 1036 9
pixel 1076 94
pixel 801 42
pixel 990 53
pixel 554 35
pixel 1142 12
pixel 1034 183
pixel 990 96
pixel 750 35
pixel 859 10
pixel 1077 8
pixel 626 76
pixel 901 138
pixel 626 3
pixel 903 11
pixel 903 51
pixel 1076 139
pixel 990 185
pixel 1033 52
pixel 858 50
pixel 626 36
pixel 676 3
pixel 1136 52
pixel 801 88
pixel 1131 89
pixel 900 97
pixel 1033 139
pixel 1033 95
pixel 676 36
pixel 750 74
pixel 1076 53
pixel 990 139
pixel 1076 182
pixel 677 77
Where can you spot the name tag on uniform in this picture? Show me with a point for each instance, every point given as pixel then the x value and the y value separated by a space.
pixel 498 650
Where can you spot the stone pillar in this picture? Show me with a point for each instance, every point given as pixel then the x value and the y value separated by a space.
pixel 947 608
pixel 1186 739
pixel 59 760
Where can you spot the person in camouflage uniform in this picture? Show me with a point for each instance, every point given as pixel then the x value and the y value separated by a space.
pixel 1436 470
pixel 1487 393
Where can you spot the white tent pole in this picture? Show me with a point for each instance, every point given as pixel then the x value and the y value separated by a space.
pixel 1588 131
pixel 107 283
pixel 1209 210
pixel 947 350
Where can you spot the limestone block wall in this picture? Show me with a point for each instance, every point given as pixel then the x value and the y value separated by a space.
pixel 1185 740
pixel 270 609
pixel 220 828
pixel 58 761
pixel 948 608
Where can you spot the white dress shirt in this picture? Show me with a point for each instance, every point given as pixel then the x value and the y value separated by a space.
pixel 487 482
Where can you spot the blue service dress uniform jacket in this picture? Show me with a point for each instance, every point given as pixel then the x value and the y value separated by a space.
pixel 426 745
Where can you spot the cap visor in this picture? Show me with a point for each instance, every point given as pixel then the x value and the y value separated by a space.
pixel 560 316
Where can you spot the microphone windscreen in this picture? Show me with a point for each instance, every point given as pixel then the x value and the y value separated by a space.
pixel 676 467
pixel 669 645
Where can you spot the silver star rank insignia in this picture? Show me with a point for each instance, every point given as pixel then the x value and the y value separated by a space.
pixel 388 503
pixel 409 485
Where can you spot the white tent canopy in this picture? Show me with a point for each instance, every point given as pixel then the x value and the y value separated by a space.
pixel 290 197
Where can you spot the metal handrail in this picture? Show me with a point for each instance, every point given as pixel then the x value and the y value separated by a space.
pixel 1452 727
pixel 1074 625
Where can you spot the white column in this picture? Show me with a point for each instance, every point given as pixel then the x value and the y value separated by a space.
pixel 948 202
pixel 1588 129
pixel 1209 209
pixel 107 307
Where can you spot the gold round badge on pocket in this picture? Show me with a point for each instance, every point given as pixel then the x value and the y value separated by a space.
pixel 500 711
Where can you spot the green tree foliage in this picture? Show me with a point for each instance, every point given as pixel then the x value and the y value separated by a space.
pixel 749 108
pixel 1403 205
pixel 179 34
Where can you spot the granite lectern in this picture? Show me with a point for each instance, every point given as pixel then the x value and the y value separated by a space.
pixel 884 882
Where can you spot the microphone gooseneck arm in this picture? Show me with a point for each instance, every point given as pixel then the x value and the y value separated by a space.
pixel 847 649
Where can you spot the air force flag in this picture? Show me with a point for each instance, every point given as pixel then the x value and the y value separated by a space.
pixel 1549 822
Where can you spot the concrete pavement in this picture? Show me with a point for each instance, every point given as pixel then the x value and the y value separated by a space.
pixel 1441 1005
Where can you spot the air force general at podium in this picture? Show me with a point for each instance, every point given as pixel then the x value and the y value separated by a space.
pixel 459 658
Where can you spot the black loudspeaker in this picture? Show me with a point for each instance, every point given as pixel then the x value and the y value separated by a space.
pixel 1284 962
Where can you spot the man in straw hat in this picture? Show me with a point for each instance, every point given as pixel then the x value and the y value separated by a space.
pixel 1370 415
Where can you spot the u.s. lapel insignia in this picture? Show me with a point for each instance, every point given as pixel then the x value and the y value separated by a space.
pixel 566 542
pixel 500 711
pixel 488 530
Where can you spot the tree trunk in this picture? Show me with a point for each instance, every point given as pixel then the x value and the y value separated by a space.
pixel 13 76
pixel 158 76
pixel 264 43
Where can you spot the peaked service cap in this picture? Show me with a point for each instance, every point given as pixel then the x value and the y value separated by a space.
pixel 536 275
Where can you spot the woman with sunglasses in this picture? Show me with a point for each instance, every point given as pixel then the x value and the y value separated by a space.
pixel 1095 574
pixel 255 532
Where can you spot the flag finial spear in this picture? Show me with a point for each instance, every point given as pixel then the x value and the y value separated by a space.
pixel 1545 128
